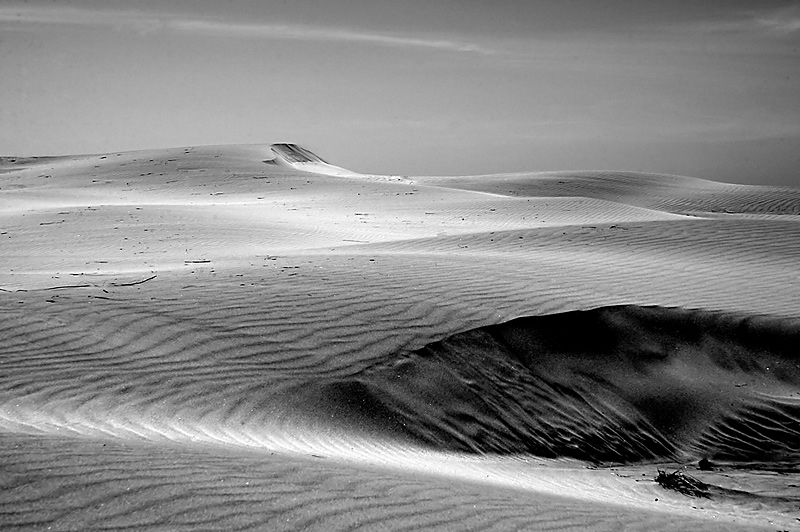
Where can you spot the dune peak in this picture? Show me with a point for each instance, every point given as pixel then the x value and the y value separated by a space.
pixel 300 158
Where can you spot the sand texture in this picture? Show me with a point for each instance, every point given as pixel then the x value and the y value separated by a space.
pixel 250 338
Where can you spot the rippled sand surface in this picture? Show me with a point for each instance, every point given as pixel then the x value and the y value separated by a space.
pixel 247 337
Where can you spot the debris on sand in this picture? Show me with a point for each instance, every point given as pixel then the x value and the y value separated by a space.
pixel 705 465
pixel 682 483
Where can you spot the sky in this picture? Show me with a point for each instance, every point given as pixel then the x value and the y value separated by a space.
pixel 708 89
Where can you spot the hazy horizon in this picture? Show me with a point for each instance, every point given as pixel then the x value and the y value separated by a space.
pixel 704 89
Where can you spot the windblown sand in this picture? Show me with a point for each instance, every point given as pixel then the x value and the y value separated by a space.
pixel 246 337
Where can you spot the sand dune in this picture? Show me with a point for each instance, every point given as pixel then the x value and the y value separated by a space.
pixel 658 191
pixel 247 336
pixel 635 384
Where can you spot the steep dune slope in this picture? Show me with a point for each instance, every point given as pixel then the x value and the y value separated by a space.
pixel 613 384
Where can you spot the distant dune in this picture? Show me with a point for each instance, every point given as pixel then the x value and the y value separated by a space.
pixel 249 337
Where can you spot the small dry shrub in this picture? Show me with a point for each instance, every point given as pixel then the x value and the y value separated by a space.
pixel 682 483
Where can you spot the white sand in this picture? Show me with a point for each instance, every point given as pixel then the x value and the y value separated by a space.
pixel 160 308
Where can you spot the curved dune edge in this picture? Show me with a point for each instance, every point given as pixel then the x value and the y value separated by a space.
pixel 614 384
pixel 604 497
pixel 299 158
pixel 629 495
pixel 208 318
pixel 201 488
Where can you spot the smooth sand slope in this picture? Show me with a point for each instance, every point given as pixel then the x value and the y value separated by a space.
pixel 247 337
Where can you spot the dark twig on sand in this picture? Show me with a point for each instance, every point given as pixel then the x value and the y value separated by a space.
pixel 135 282
pixel 682 483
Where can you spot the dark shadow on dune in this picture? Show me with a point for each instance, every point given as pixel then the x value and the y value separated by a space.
pixel 292 153
pixel 615 384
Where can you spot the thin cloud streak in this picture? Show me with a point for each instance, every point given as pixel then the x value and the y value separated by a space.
pixel 783 22
pixel 318 33
pixel 780 25
pixel 148 22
